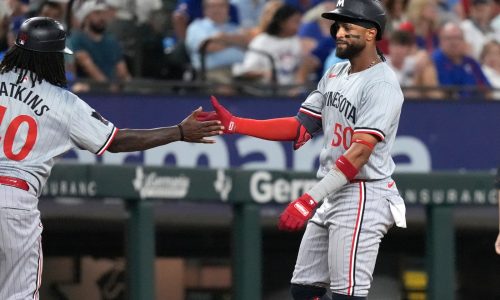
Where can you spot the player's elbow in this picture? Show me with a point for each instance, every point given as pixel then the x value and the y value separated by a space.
pixel 117 145
pixel 113 148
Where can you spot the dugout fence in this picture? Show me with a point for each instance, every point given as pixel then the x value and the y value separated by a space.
pixel 246 191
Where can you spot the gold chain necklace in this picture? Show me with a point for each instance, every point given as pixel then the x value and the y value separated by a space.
pixel 374 62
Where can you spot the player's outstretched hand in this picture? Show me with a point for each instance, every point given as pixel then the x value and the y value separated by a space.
pixel 497 244
pixel 207 116
pixel 196 131
pixel 297 213
pixel 226 117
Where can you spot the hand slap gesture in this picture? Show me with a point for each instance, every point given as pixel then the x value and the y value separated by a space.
pixel 195 131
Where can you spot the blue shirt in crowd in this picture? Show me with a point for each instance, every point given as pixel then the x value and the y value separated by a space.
pixel 301 6
pixel 106 53
pixel 324 46
pixel 202 29
pixel 194 9
pixel 467 73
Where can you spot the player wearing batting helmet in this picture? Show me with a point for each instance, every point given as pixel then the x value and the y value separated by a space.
pixel 357 105
pixel 40 120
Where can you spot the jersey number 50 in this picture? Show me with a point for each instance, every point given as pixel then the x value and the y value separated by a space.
pixel 10 134
pixel 342 136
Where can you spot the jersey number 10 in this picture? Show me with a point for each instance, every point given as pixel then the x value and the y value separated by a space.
pixel 10 134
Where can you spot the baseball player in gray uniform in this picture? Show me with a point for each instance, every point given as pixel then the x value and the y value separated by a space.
pixel 40 120
pixel 357 106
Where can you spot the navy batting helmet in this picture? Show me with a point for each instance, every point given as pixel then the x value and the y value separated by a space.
pixel 42 34
pixel 355 11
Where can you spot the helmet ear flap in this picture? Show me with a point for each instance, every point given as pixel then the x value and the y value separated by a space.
pixel 333 30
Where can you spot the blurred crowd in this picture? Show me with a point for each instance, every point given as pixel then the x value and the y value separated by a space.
pixel 439 49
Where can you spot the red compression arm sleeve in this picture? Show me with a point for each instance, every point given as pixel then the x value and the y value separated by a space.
pixel 282 129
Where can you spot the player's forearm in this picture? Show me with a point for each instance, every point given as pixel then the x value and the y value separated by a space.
pixel 346 169
pixel 281 129
pixel 357 155
pixel 127 140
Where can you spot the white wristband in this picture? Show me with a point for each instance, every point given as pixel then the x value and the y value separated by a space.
pixel 332 181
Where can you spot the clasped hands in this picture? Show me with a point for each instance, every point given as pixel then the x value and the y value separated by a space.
pixel 299 211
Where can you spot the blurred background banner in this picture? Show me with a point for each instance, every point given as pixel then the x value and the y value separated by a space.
pixel 430 137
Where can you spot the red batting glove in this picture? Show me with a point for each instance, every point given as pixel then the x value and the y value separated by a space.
pixel 297 213
pixel 227 119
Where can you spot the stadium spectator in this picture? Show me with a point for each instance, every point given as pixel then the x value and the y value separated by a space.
pixel 447 11
pixel 11 36
pixel 98 55
pixel 424 15
pixel 249 11
pixel 155 61
pixel 413 67
pixel 19 9
pixel 495 23
pixel 315 36
pixel 125 20
pixel 281 42
pixel 303 5
pixel 477 28
pixel 490 62
pixel 265 17
pixel 221 40
pixel 57 10
pixel 12 12
pixel 396 10
pixel 189 10
pixel 456 69
pixel 461 8
pixel 137 10
pixel 52 9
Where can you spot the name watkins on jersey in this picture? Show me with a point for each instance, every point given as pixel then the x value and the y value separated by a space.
pixel 345 107
pixel 18 92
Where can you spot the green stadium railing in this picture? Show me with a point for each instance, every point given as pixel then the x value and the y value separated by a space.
pixel 246 191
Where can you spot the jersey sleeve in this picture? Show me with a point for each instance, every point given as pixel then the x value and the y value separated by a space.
pixel 309 114
pixel 89 130
pixel 380 107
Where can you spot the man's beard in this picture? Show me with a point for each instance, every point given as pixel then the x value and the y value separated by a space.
pixel 97 28
pixel 348 51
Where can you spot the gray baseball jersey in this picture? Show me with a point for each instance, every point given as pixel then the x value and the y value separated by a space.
pixel 340 245
pixel 363 102
pixel 37 124
pixel 40 123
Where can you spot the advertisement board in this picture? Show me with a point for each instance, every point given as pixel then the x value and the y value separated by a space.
pixel 432 136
